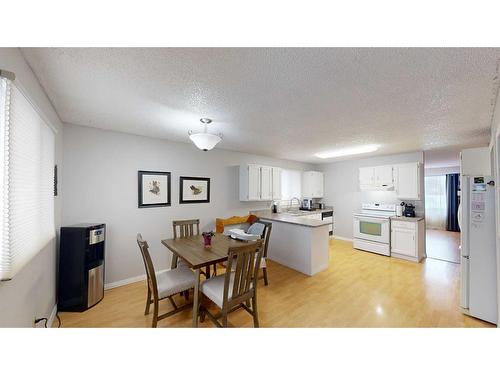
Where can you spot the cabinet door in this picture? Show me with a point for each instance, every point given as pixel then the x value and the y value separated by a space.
pixel 383 175
pixel 366 176
pixel 266 180
pixel 317 185
pixel 276 191
pixel 253 182
pixel 408 181
pixel 403 241
pixel 307 185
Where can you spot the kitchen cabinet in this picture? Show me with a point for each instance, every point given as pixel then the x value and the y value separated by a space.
pixel 276 184
pixel 312 184
pixel 266 182
pixel 409 178
pixel 259 183
pixel 366 177
pixel 407 239
pixel 376 178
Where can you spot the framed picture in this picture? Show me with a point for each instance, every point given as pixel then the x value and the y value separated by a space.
pixel 194 190
pixel 154 189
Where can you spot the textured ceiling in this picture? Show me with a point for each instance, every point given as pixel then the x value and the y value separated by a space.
pixel 286 103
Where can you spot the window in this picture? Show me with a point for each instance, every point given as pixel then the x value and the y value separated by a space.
pixel 27 164
pixel 435 202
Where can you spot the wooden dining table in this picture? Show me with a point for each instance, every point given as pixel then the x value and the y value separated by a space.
pixel 192 250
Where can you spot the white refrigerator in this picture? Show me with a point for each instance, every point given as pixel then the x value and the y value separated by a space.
pixel 478 252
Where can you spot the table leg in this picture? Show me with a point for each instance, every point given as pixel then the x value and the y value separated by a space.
pixel 207 272
pixel 196 297
pixel 174 261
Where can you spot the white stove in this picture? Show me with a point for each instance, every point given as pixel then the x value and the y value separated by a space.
pixel 371 227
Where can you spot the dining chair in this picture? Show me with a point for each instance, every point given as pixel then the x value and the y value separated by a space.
pixel 165 284
pixel 263 228
pixel 182 229
pixel 266 235
pixel 234 290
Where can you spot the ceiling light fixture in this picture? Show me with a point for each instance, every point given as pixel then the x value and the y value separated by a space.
pixel 205 141
pixel 347 151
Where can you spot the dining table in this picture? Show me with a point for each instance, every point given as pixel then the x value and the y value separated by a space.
pixel 197 256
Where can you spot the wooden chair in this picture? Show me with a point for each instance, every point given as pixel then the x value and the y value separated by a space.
pixel 164 284
pixel 235 290
pixel 266 234
pixel 182 229
pixel 265 237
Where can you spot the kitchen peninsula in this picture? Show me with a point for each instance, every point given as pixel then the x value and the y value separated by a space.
pixel 298 241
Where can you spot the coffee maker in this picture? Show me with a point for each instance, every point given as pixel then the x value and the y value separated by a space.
pixel 409 210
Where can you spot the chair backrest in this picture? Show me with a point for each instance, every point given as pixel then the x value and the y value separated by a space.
pixel 245 274
pixel 148 263
pixel 265 235
pixel 186 228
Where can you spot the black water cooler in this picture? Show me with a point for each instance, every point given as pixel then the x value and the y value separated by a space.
pixel 81 266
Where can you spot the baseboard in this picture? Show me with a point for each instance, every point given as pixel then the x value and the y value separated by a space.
pixel 52 316
pixel 130 280
pixel 342 238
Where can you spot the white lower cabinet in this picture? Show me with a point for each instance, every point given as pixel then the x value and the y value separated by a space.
pixel 407 239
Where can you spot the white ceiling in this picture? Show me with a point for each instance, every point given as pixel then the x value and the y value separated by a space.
pixel 286 103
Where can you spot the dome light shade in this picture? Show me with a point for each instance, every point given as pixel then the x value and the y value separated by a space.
pixel 205 141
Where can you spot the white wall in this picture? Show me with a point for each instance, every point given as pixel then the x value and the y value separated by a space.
pixel 32 292
pixel 100 185
pixel 342 188
pixel 441 171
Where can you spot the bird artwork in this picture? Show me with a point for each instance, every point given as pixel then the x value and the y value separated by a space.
pixel 196 190
pixel 154 187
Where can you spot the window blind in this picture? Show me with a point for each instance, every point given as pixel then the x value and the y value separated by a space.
pixel 27 165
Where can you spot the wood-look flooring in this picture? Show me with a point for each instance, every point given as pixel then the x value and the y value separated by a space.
pixel 359 289
pixel 443 245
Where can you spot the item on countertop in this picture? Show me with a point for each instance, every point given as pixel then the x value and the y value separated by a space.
pixel 207 239
pixel 274 208
pixel 321 206
pixel 399 209
pixel 409 210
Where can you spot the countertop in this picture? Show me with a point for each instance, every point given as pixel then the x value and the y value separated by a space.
pixel 404 218
pixel 292 219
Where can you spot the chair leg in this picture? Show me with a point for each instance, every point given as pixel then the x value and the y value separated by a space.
pixel 224 318
pixel 148 302
pixel 155 314
pixel 255 312
pixel 215 269
pixel 264 272
pixel 186 295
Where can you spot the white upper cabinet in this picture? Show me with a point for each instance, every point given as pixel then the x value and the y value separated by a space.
pixel 376 178
pixel 409 181
pixel 266 176
pixel 366 177
pixel 276 185
pixel 259 183
pixel 312 184
pixel 384 176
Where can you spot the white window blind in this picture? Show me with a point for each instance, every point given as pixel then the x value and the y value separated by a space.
pixel 436 208
pixel 27 167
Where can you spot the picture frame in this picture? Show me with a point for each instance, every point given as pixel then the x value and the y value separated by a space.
pixel 154 189
pixel 194 190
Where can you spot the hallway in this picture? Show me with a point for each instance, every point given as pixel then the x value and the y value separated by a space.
pixel 443 245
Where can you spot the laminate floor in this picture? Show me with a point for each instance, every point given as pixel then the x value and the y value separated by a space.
pixel 359 289
pixel 443 245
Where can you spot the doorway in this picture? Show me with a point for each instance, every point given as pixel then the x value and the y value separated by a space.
pixel 442 186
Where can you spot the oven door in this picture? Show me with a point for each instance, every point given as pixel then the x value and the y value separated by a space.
pixel 371 229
